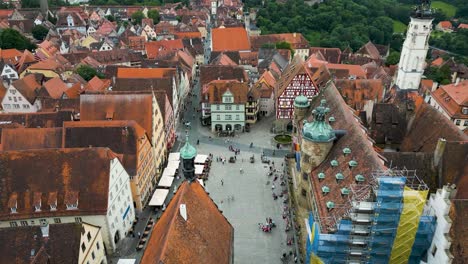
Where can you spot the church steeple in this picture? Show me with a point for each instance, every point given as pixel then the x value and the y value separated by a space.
pixel 415 47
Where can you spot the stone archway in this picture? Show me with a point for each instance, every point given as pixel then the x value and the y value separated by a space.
pixel 228 127
pixel 218 127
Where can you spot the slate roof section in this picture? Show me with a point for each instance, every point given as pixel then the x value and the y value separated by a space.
pixel 388 125
pixel 61 246
pixel 121 136
pixel 30 138
pixel 138 107
pixel 230 39
pixel 362 151
pixel 62 173
pixel 173 238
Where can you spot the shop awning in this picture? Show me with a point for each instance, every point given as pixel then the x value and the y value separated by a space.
pixel 174 156
pixel 165 181
pixel 159 197
pixel 201 159
pixel 169 172
pixel 199 169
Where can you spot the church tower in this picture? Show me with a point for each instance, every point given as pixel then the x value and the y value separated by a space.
pixel 414 51
pixel 188 154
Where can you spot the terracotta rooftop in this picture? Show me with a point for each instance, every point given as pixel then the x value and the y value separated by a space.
pixel 173 238
pixel 437 62
pixel 34 120
pixel 463 26
pixel 138 107
pixel 427 126
pixel 356 93
pixel 230 39
pixel 48 64
pixel 61 246
pixel 295 67
pixel 445 24
pixel 10 55
pixel 332 55
pixel 209 73
pixel 362 151
pixel 55 87
pixel 28 87
pixel 97 85
pixel 453 98
pixel 150 73
pixel 123 137
pixel 145 86
pixel 60 176
pixel 296 40
pixel 223 59
pixel 217 88
pixel 370 50
pixel 30 138
pixel 153 48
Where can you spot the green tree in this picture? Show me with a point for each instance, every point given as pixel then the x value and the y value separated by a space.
pixel 440 75
pixel 12 39
pixel 393 58
pixel 154 14
pixel 29 3
pixel 88 72
pixel 39 32
pixel 137 17
pixel 111 18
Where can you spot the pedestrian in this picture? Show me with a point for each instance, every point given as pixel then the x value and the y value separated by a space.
pixel 222 182
pixel 273 187
pixel 139 235
pixel 235 157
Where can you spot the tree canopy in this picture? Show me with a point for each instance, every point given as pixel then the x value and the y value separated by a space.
pixel 39 32
pixel 154 14
pixel 88 72
pixel 12 39
pixel 137 17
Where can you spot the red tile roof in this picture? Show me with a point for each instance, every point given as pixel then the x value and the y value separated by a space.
pixel 27 86
pixel 452 98
pixel 205 237
pixel 30 138
pixel 437 62
pixel 153 48
pixel 356 70
pixel 217 88
pixel 145 73
pixel 332 55
pixel 138 107
pixel 59 175
pixel 97 85
pixel 463 26
pixel 55 87
pixel 230 39
pixel 181 35
pixel 445 24
pixel 357 93
pixel 10 55
pixel 296 40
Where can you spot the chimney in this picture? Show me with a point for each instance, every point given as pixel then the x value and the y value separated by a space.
pixel 183 211
pixel 439 151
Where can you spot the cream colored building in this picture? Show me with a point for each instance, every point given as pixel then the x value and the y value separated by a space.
pixel 91 245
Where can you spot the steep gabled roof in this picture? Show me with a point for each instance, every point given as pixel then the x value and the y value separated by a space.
pixel 370 49
pixel 173 238
pixel 295 67
pixel 209 73
pixel 60 176
pixel 357 92
pixel 362 151
pixel 40 119
pixel 297 40
pixel 27 86
pixel 55 87
pixel 145 73
pixel 217 88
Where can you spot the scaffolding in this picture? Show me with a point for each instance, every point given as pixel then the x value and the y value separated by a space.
pixel 380 224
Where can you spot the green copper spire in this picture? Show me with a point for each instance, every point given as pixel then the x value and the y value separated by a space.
pixel 188 151
pixel 319 130
pixel 301 101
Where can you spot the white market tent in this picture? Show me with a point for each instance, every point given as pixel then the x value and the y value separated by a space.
pixel 201 182
pixel 199 169
pixel 169 172
pixel 200 158
pixel 159 197
pixel 174 156
pixel 165 181
pixel 126 261
pixel 173 164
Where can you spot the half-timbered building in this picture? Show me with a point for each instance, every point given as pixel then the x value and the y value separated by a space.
pixel 296 80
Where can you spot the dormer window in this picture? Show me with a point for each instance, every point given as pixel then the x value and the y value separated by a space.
pixel 465 110
pixel 71 200
pixel 70 21
pixel 52 201
pixel 13 202
pixel 37 200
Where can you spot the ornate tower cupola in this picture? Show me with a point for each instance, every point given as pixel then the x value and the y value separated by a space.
pixel 415 47
pixel 188 154
pixel 317 138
